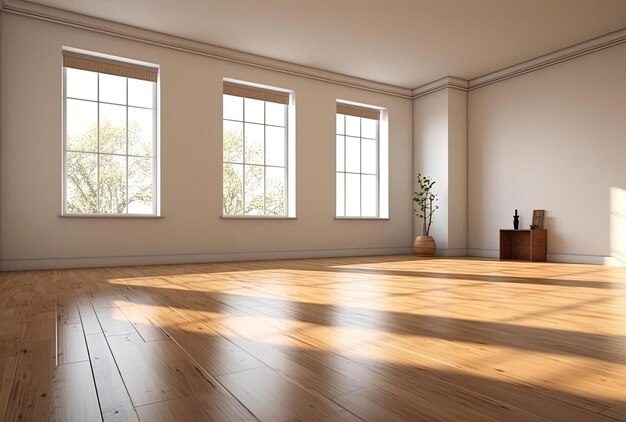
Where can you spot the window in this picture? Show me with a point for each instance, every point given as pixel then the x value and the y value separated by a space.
pixel 361 174
pixel 258 168
pixel 109 143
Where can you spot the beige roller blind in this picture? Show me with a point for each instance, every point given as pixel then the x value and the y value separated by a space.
pixel 111 67
pixel 256 93
pixel 368 113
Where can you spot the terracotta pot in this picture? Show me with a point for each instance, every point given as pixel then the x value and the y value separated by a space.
pixel 424 246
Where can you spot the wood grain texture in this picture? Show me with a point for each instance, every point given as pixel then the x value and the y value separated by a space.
pixel 74 394
pixel 344 339
pixel 8 363
pixel 71 346
pixel 31 390
pixel 115 403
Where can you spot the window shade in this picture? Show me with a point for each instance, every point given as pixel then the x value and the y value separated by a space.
pixel 368 113
pixel 256 93
pixel 111 67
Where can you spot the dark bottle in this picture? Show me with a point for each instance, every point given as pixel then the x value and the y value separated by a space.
pixel 516 221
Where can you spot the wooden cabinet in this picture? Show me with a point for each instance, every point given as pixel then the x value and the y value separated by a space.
pixel 525 245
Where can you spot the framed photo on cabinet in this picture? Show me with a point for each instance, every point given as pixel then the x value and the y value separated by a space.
pixel 538 219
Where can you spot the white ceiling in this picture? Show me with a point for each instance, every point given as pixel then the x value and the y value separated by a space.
pixel 406 43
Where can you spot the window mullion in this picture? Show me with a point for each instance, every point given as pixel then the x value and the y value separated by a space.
pixel 345 168
pixel 89 198
pixel 377 169
pixel 264 158
pixel 156 188
pixel 360 167
pixel 243 159
pixel 361 192
pixel 98 147
pixel 127 159
pixel 286 161
pixel 257 121
pixel 64 198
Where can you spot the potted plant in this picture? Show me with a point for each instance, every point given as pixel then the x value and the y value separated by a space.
pixel 425 199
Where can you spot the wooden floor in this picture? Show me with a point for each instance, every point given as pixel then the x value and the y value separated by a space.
pixel 374 339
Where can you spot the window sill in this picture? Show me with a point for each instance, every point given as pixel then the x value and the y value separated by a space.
pixel 256 217
pixel 132 216
pixel 363 218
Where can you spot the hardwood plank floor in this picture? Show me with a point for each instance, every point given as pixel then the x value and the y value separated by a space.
pixel 393 338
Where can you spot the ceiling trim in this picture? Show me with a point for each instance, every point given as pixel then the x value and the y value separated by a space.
pixel 448 82
pixel 587 47
pixel 50 14
pixel 578 50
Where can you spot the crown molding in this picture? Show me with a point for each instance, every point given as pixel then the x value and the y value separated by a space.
pixel 50 14
pixel 578 50
pixel 75 20
pixel 591 46
pixel 448 82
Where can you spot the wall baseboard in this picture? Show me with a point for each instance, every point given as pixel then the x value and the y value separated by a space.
pixel 119 261
pixel 580 259
pixel 483 253
pixel 556 257
pixel 451 252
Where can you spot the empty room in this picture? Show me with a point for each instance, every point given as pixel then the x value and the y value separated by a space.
pixel 287 211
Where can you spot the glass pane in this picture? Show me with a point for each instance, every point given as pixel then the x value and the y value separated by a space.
pixel 82 125
pixel 140 93
pixel 353 154
pixel 369 128
pixel 353 126
pixel 112 88
pixel 340 201
pixel 353 195
pixel 81 84
pixel 340 153
pixel 112 129
pixel 254 144
pixel 254 110
pixel 140 185
pixel 341 130
pixel 233 141
pixel 275 191
pixel 233 107
pixel 368 156
pixel 275 114
pixel 233 189
pixel 112 186
pixel 275 146
pixel 81 172
pixel 368 196
pixel 140 131
pixel 253 190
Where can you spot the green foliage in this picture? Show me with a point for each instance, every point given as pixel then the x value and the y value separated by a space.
pixel 96 183
pixel 425 200
pixel 234 186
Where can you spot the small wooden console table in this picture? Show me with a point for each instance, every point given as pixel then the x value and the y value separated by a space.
pixel 525 245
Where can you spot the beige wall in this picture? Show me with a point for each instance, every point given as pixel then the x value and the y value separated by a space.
pixel 553 139
pixel 34 236
pixel 457 172
pixel 430 158
pixel 440 152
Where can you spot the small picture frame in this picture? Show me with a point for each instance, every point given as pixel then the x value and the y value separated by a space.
pixel 538 219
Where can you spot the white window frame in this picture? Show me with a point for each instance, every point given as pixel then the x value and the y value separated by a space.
pixel 290 151
pixel 156 206
pixel 382 163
